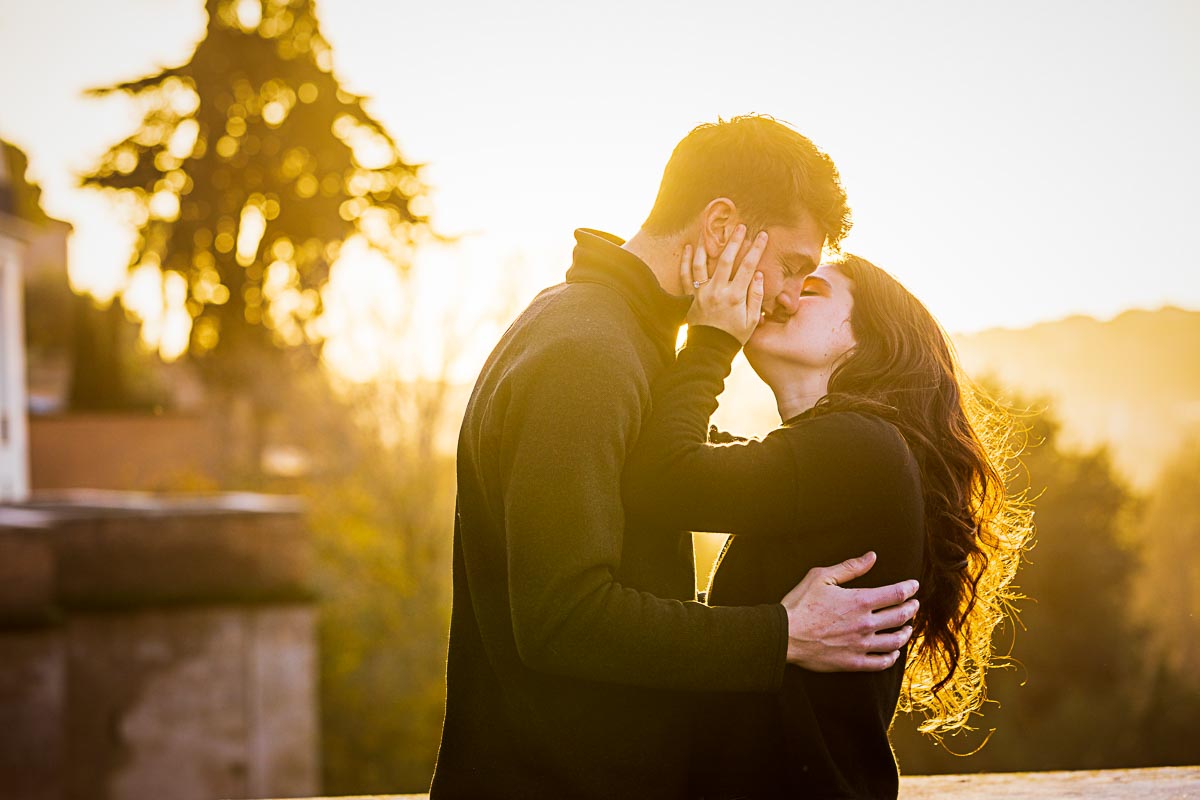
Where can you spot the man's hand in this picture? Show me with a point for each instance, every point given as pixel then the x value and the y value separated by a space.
pixel 831 629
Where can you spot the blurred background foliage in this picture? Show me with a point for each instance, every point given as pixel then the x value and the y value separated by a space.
pixel 381 511
pixel 1081 689
pixel 251 169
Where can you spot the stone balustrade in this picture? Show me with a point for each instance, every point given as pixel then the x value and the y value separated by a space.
pixel 1161 783
pixel 156 646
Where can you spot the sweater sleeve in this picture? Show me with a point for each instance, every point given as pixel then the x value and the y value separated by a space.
pixel 676 477
pixel 571 420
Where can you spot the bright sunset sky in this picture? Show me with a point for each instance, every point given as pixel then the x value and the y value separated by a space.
pixel 1010 162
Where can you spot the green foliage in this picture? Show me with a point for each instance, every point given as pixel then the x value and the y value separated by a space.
pixel 109 371
pixel 1168 605
pixel 385 616
pixel 249 169
pixel 1168 598
pixel 381 511
pixel 1080 693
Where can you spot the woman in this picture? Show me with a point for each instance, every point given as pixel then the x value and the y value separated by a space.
pixel 882 448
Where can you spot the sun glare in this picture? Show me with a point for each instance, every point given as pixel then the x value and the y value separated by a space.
pixel 362 303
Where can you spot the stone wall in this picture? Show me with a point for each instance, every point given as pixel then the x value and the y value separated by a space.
pixel 155 647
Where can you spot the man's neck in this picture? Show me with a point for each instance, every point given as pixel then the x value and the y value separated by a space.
pixel 661 255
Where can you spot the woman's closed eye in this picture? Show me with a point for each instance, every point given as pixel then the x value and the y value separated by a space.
pixel 814 287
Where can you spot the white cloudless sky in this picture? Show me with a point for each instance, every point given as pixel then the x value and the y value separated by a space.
pixel 1010 162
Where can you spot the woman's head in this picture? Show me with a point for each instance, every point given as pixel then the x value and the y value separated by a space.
pixel 886 355
pixel 856 323
pixel 901 357
pixel 812 335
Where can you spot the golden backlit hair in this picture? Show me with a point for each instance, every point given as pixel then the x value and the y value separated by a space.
pixel 903 368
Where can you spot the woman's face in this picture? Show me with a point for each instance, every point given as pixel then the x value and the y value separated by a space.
pixel 815 337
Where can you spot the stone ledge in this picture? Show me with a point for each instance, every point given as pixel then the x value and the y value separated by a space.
pixel 106 551
pixel 67 504
pixel 1158 783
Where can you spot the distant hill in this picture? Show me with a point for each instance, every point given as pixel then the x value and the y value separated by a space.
pixel 1132 382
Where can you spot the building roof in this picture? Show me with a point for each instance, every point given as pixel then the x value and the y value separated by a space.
pixel 19 197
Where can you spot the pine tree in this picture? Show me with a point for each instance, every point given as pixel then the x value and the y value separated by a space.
pixel 251 167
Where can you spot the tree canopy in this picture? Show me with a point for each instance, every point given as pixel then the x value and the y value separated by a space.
pixel 250 168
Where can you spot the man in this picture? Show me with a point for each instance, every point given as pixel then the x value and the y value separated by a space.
pixel 575 637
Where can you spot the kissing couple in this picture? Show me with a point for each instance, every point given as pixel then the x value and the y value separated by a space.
pixel 873 540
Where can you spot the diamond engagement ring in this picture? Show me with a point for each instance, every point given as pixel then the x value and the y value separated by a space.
pixel 698 284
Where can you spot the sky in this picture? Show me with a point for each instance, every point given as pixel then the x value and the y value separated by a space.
pixel 1009 162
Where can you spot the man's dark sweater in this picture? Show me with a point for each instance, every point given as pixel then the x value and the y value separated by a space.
pixel 575 639
pixel 821 489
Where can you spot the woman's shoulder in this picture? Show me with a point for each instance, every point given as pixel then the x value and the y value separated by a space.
pixel 846 425
pixel 863 439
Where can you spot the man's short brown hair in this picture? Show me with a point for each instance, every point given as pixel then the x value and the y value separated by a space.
pixel 768 170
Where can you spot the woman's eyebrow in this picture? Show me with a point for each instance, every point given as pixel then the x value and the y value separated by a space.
pixel 818 278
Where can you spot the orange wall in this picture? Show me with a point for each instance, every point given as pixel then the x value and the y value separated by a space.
pixel 124 451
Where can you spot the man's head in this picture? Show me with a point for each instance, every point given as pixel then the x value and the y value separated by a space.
pixel 757 171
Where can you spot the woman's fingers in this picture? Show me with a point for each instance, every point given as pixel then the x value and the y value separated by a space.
pixel 748 281
pixel 685 270
pixel 754 300
pixel 729 255
pixel 699 272
pixel 748 266
pixel 731 298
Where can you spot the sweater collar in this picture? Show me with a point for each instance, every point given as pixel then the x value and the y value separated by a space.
pixel 803 415
pixel 599 258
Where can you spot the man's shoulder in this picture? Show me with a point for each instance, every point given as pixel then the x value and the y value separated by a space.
pixel 569 347
pixel 579 318
pixel 579 306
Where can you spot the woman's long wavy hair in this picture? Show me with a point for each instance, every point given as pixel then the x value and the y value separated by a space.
pixel 903 368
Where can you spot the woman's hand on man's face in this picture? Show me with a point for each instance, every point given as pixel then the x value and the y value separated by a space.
pixel 731 298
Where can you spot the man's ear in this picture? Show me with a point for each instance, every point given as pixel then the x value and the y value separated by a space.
pixel 717 221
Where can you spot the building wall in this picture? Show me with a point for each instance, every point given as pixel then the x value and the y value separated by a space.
pixel 192 704
pixel 157 647
pixel 125 451
pixel 14 464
